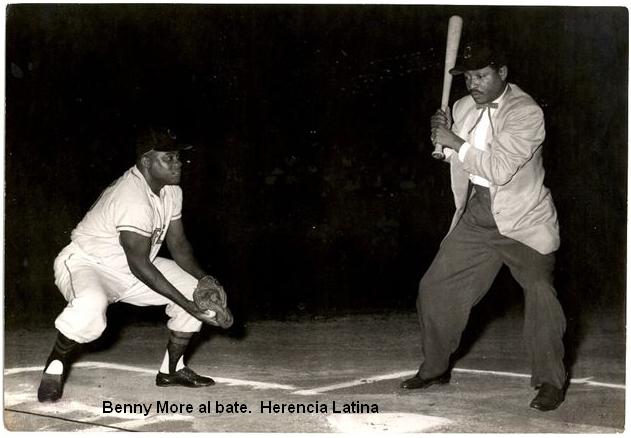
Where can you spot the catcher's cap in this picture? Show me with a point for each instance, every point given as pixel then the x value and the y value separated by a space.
pixel 158 139
pixel 479 55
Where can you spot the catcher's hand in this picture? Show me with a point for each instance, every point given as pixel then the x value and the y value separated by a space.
pixel 209 295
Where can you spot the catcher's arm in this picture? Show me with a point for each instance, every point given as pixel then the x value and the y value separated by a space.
pixel 209 295
pixel 137 250
pixel 181 249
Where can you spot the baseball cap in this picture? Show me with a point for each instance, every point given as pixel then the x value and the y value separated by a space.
pixel 160 139
pixel 479 55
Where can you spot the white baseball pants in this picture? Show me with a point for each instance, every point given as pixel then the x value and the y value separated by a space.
pixel 89 287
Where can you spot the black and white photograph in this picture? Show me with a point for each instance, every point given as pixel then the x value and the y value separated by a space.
pixel 330 218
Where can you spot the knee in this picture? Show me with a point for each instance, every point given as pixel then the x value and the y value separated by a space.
pixel 182 280
pixel 183 322
pixel 420 296
pixel 84 318
pixel 94 324
pixel 189 283
pixel 539 288
pixel 427 293
pixel 94 304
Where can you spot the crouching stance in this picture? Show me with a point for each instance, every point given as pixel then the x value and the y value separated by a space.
pixel 112 257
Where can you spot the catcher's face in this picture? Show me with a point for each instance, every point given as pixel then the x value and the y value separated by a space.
pixel 165 167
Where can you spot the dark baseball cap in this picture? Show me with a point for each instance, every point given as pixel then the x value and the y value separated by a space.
pixel 476 56
pixel 159 139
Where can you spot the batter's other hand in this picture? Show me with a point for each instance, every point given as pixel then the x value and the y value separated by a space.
pixel 446 138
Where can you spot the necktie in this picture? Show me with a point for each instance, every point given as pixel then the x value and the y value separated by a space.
pixel 483 106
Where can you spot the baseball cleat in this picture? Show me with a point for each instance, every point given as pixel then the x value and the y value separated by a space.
pixel 184 377
pixel 50 388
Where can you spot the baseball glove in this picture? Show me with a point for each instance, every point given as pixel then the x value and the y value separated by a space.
pixel 209 295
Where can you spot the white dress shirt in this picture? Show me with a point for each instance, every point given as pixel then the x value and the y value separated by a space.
pixel 477 139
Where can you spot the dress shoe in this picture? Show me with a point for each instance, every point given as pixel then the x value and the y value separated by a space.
pixel 184 377
pixel 51 387
pixel 417 382
pixel 548 398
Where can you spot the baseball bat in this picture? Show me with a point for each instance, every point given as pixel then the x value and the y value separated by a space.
pixel 454 30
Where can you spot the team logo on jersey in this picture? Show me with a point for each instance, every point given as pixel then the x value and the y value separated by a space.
pixel 156 236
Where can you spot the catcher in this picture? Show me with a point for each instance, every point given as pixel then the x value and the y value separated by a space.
pixel 112 257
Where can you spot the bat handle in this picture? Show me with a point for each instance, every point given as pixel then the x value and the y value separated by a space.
pixel 438 153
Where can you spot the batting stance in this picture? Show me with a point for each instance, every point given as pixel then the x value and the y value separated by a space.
pixel 112 257
pixel 504 215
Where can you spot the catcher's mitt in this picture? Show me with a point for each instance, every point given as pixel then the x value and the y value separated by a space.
pixel 209 295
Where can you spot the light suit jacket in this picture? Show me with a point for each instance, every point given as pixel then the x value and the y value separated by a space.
pixel 521 204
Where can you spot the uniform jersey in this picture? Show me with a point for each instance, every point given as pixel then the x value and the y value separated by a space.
pixel 128 204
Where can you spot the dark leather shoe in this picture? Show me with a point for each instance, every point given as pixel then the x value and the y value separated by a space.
pixel 51 387
pixel 417 382
pixel 184 377
pixel 548 398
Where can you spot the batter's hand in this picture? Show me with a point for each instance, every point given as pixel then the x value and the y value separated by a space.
pixel 446 138
pixel 441 118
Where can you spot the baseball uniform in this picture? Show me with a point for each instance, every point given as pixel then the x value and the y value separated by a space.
pixel 92 271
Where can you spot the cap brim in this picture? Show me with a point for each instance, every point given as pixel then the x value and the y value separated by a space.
pixel 171 148
pixel 461 68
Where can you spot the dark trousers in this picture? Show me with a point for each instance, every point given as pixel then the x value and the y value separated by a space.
pixel 462 273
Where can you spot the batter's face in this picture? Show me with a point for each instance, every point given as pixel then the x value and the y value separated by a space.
pixel 164 168
pixel 486 84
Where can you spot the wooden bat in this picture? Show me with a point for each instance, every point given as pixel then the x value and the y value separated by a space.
pixel 454 30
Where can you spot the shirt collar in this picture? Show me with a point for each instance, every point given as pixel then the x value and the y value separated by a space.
pixel 136 172
pixel 501 96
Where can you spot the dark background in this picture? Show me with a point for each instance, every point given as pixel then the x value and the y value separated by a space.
pixel 311 192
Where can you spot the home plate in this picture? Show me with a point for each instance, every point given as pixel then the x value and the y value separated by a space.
pixel 386 422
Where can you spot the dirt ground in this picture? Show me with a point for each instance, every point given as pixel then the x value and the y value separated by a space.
pixel 356 362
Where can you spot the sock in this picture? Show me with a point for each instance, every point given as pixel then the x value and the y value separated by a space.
pixel 59 357
pixel 164 368
pixel 174 357
pixel 55 367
